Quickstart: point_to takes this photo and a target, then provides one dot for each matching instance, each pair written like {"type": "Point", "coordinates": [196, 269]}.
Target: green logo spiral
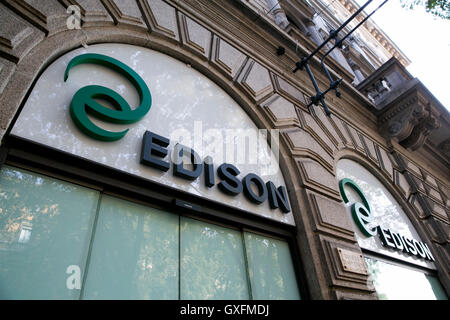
{"type": "Point", "coordinates": [83, 100]}
{"type": "Point", "coordinates": [360, 211]}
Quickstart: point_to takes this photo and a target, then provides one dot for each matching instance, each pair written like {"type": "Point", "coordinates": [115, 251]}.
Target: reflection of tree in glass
{"type": "Point", "coordinates": [134, 254]}
{"type": "Point", "coordinates": [400, 283]}
{"type": "Point", "coordinates": [43, 224]}
{"type": "Point", "coordinates": [387, 212]}
{"type": "Point", "coordinates": [271, 279]}
{"type": "Point", "coordinates": [212, 262]}
{"type": "Point", "coordinates": [159, 257]}
{"type": "Point", "coordinates": [374, 271]}
{"type": "Point", "coordinates": [270, 268]}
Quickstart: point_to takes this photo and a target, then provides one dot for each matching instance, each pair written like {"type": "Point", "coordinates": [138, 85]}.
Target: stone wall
{"type": "Point", "coordinates": [228, 43]}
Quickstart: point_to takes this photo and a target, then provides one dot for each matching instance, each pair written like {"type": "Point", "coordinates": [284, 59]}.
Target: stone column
{"type": "Point", "coordinates": [311, 26]}
{"type": "Point", "coordinates": [318, 39]}
{"type": "Point", "coordinates": [356, 70]}
{"type": "Point", "coordinates": [280, 16]}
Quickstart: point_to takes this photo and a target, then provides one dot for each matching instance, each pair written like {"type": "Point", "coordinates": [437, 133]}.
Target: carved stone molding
{"type": "Point", "coordinates": [407, 112]}
{"type": "Point", "coordinates": [227, 58]}
{"type": "Point", "coordinates": [255, 81]}
{"type": "Point", "coordinates": [195, 36]}
{"type": "Point", "coordinates": [17, 36]}
{"type": "Point", "coordinates": [125, 12]}
{"type": "Point", "coordinates": [444, 147]}
{"type": "Point", "coordinates": [160, 17]}
{"type": "Point", "coordinates": [410, 120]}
{"type": "Point", "coordinates": [346, 265]}
{"type": "Point", "coordinates": [330, 217]}
{"type": "Point", "coordinates": [280, 112]}
{"type": "Point", "coordinates": [311, 143]}
{"type": "Point", "coordinates": [93, 12]}
{"type": "Point", "coordinates": [48, 16]}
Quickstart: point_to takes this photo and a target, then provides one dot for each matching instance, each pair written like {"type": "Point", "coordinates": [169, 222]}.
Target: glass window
{"type": "Point", "coordinates": [271, 270]}
{"type": "Point", "coordinates": [399, 283]}
{"type": "Point", "coordinates": [212, 262]}
{"type": "Point", "coordinates": [59, 240]}
{"type": "Point", "coordinates": [134, 253]}
{"type": "Point", "coordinates": [45, 228]}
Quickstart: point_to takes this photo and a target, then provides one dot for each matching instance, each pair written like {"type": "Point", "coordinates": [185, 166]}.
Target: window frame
{"type": "Point", "coordinates": [399, 263]}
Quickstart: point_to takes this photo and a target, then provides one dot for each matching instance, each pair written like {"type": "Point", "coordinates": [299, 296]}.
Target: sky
{"type": "Point", "coordinates": [425, 40]}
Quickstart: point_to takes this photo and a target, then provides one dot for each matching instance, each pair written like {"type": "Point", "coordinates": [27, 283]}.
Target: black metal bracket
{"type": "Point", "coordinates": [304, 62]}
{"type": "Point", "coordinates": [280, 51]}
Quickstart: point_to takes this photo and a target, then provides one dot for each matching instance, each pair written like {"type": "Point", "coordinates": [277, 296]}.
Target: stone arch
{"type": "Point", "coordinates": [397, 193]}
{"type": "Point", "coordinates": [389, 185]}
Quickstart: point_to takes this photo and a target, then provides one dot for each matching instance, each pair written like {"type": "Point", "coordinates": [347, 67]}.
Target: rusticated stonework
{"type": "Point", "coordinates": [223, 40]}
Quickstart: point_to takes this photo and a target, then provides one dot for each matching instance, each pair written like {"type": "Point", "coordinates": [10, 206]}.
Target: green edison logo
{"type": "Point", "coordinates": [361, 212]}
{"type": "Point", "coordinates": [84, 99]}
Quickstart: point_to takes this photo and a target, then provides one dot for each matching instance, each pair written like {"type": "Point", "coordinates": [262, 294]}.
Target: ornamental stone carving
{"type": "Point", "coordinates": [410, 118]}
{"type": "Point", "coordinates": [407, 112]}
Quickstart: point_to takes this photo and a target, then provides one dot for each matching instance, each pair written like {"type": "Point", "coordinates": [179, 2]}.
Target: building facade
{"type": "Point", "coordinates": [221, 181]}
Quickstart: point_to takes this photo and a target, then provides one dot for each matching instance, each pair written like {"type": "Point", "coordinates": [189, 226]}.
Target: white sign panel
{"type": "Point", "coordinates": [387, 214]}
{"type": "Point", "coordinates": [186, 108]}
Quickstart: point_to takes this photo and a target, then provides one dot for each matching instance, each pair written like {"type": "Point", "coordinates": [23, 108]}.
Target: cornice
{"type": "Point", "coordinates": [377, 33]}
{"type": "Point", "coordinates": [371, 27]}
